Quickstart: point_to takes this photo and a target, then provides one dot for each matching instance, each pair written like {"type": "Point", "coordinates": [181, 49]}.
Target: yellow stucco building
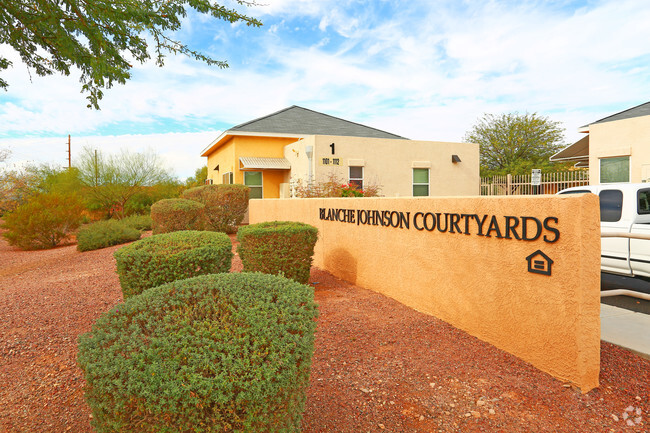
{"type": "Point", "coordinates": [272, 153]}
{"type": "Point", "coordinates": [616, 148]}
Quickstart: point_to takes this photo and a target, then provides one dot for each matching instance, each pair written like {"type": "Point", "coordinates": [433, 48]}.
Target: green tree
{"type": "Point", "coordinates": [200, 175]}
{"type": "Point", "coordinates": [113, 180]}
{"type": "Point", "coordinates": [20, 184]}
{"type": "Point", "coordinates": [515, 143]}
{"type": "Point", "coordinates": [101, 38]}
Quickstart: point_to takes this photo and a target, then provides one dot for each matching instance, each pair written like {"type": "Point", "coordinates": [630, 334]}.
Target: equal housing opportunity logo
{"type": "Point", "coordinates": [521, 228]}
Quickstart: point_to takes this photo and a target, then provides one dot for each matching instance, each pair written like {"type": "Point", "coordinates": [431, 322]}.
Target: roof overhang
{"type": "Point", "coordinates": [227, 135]}
{"type": "Point", "coordinates": [248, 163]}
{"type": "Point", "coordinates": [577, 152]}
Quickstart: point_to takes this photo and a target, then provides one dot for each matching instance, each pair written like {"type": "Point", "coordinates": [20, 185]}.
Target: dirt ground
{"type": "Point", "coordinates": [378, 365]}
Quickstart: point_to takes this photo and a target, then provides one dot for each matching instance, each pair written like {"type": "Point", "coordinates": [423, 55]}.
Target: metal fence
{"type": "Point", "coordinates": [520, 184]}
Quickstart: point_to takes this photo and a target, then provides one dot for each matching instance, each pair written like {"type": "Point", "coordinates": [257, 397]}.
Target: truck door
{"type": "Point", "coordinates": [614, 251]}
{"type": "Point", "coordinates": [640, 248]}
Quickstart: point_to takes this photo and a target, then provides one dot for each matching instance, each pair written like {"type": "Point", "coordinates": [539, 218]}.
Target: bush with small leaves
{"type": "Point", "coordinates": [215, 353]}
{"type": "Point", "coordinates": [104, 234]}
{"type": "Point", "coordinates": [44, 221]}
{"type": "Point", "coordinates": [139, 222]}
{"type": "Point", "coordinates": [277, 247]}
{"type": "Point", "coordinates": [225, 205]}
{"type": "Point", "coordinates": [175, 214]}
{"type": "Point", "coordinates": [168, 257]}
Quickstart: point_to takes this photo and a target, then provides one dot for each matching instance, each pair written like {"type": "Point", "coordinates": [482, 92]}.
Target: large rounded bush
{"type": "Point", "coordinates": [277, 247]}
{"type": "Point", "coordinates": [225, 205]}
{"type": "Point", "coordinates": [161, 259]}
{"type": "Point", "coordinates": [216, 353]}
{"type": "Point", "coordinates": [174, 214]}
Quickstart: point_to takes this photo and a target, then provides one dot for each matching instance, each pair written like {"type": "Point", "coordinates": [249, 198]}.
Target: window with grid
{"type": "Point", "coordinates": [253, 180]}
{"type": "Point", "coordinates": [356, 177]}
{"type": "Point", "coordinates": [420, 182]}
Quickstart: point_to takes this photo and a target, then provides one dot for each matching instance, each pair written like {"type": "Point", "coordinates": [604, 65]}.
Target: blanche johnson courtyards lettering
{"type": "Point", "coordinates": [525, 228]}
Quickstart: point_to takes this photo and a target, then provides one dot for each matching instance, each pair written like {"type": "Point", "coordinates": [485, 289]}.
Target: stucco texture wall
{"type": "Point", "coordinates": [626, 137]}
{"type": "Point", "coordinates": [474, 277]}
{"type": "Point", "coordinates": [389, 163]}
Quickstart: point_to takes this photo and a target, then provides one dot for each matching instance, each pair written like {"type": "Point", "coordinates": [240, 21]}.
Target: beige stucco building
{"type": "Point", "coordinates": [273, 153]}
{"type": "Point", "coordinates": [616, 149]}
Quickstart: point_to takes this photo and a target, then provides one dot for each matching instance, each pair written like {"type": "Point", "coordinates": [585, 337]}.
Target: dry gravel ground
{"type": "Point", "coordinates": [378, 365]}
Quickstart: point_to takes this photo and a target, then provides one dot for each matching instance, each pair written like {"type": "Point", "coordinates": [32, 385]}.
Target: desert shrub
{"type": "Point", "coordinates": [44, 221]}
{"type": "Point", "coordinates": [278, 246]}
{"type": "Point", "coordinates": [168, 257]}
{"type": "Point", "coordinates": [140, 202]}
{"type": "Point", "coordinates": [174, 214]}
{"type": "Point", "coordinates": [215, 353]}
{"type": "Point", "coordinates": [225, 205]}
{"type": "Point", "coordinates": [138, 222]}
{"type": "Point", "coordinates": [102, 234]}
{"type": "Point", "coordinates": [333, 186]}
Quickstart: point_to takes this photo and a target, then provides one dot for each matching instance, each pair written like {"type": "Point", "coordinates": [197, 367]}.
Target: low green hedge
{"type": "Point", "coordinates": [225, 205]}
{"type": "Point", "coordinates": [215, 353]}
{"type": "Point", "coordinates": [278, 247]}
{"type": "Point", "coordinates": [175, 214]}
{"type": "Point", "coordinates": [163, 258]}
{"type": "Point", "coordinates": [140, 222]}
{"type": "Point", "coordinates": [102, 234]}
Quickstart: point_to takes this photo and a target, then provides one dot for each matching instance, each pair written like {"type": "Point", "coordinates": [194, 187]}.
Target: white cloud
{"type": "Point", "coordinates": [426, 70]}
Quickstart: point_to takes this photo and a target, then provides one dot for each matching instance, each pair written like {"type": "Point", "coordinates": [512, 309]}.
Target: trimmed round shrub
{"type": "Point", "coordinates": [140, 222]}
{"type": "Point", "coordinates": [174, 214]}
{"type": "Point", "coordinates": [215, 353]}
{"type": "Point", "coordinates": [44, 221]}
{"type": "Point", "coordinates": [225, 205]}
{"type": "Point", "coordinates": [275, 247]}
{"type": "Point", "coordinates": [168, 257]}
{"type": "Point", "coordinates": [104, 234]}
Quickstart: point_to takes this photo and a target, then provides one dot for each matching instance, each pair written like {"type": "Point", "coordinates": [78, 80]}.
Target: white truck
{"type": "Point", "coordinates": [625, 227]}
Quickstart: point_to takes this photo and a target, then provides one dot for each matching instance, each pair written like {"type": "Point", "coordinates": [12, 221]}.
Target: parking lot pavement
{"type": "Point", "coordinates": [629, 303]}
{"type": "Point", "coordinates": [625, 328]}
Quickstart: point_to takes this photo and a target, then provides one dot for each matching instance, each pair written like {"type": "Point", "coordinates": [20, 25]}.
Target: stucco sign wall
{"type": "Point", "coordinates": [522, 273]}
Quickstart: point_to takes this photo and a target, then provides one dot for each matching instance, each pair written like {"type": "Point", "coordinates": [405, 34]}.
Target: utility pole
{"type": "Point", "coordinates": [69, 154]}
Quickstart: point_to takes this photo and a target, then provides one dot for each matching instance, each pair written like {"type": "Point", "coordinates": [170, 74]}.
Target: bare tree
{"type": "Point", "coordinates": [114, 179]}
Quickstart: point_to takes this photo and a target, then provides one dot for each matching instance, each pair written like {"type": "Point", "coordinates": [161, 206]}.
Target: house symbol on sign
{"type": "Point", "coordinates": [539, 263]}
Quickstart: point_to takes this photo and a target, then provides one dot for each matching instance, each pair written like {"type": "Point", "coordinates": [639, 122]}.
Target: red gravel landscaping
{"type": "Point", "coordinates": [378, 365]}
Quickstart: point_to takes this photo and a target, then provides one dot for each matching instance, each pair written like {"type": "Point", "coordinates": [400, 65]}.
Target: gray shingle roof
{"type": "Point", "coordinates": [298, 120]}
{"type": "Point", "coordinates": [638, 111]}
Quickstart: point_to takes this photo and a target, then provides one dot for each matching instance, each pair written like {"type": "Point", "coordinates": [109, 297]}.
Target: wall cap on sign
{"type": "Point", "coordinates": [421, 164]}
{"type": "Point", "coordinates": [356, 162]}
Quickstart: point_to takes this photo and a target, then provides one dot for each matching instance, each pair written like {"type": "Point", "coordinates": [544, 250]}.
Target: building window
{"type": "Point", "coordinates": [420, 182]}
{"type": "Point", "coordinates": [615, 169]}
{"type": "Point", "coordinates": [253, 180]}
{"type": "Point", "coordinates": [227, 178]}
{"type": "Point", "coordinates": [356, 177]}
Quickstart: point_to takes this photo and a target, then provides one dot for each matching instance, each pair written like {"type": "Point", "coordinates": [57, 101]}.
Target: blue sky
{"type": "Point", "coordinates": [421, 69]}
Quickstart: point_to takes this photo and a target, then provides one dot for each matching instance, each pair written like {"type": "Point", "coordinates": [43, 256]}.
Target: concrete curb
{"type": "Point", "coordinates": [625, 328]}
